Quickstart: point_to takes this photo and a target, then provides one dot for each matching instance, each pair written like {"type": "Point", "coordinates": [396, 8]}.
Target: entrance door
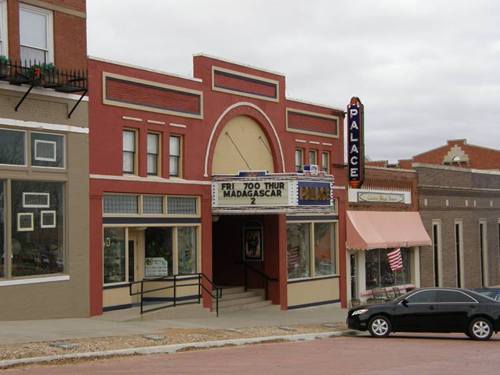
{"type": "Point", "coordinates": [135, 259]}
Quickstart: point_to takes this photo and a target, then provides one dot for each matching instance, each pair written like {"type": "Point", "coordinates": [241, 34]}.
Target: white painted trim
{"type": "Point", "coordinates": [327, 144]}
{"type": "Point", "coordinates": [54, 145]}
{"type": "Point", "coordinates": [219, 120]}
{"type": "Point", "coordinates": [137, 119]}
{"type": "Point", "coordinates": [237, 63]}
{"type": "Point", "coordinates": [49, 24]}
{"type": "Point", "coordinates": [155, 122]}
{"type": "Point", "coordinates": [314, 142]}
{"type": "Point", "coordinates": [300, 141]}
{"type": "Point", "coordinates": [315, 104]}
{"type": "Point", "coordinates": [119, 63]}
{"type": "Point", "coordinates": [44, 92]}
{"type": "Point", "coordinates": [36, 205]}
{"type": "Point", "coordinates": [243, 93]}
{"type": "Point", "coordinates": [152, 85]}
{"type": "Point", "coordinates": [54, 215]}
{"type": "Point", "coordinates": [177, 125]}
{"type": "Point", "coordinates": [43, 126]}
{"type": "Point", "coordinates": [4, 31]}
{"type": "Point", "coordinates": [35, 280]}
{"type": "Point", "coordinates": [391, 169]}
{"type": "Point", "coordinates": [136, 178]}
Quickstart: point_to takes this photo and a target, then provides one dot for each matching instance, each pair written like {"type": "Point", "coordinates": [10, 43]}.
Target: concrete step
{"type": "Point", "coordinates": [229, 296]}
{"type": "Point", "coordinates": [240, 301]}
{"type": "Point", "coordinates": [232, 290]}
{"type": "Point", "coordinates": [246, 306]}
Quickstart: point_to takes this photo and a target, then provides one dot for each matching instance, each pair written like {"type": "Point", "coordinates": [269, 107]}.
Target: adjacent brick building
{"type": "Point", "coordinates": [44, 262]}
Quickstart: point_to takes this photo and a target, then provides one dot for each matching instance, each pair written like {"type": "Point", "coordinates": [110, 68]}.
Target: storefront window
{"type": "Point", "coordinates": [158, 252]}
{"type": "Point", "coordinates": [378, 271]}
{"type": "Point", "coordinates": [298, 250]}
{"type": "Point", "coordinates": [2, 230]}
{"type": "Point", "coordinates": [37, 228]}
{"type": "Point", "coordinates": [324, 249]}
{"type": "Point", "coordinates": [12, 147]}
{"type": "Point", "coordinates": [47, 150]}
{"type": "Point", "coordinates": [114, 255]}
{"type": "Point", "coordinates": [186, 243]}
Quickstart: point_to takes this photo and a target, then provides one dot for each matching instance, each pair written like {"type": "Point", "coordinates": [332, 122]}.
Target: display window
{"type": "Point", "coordinates": [378, 271]}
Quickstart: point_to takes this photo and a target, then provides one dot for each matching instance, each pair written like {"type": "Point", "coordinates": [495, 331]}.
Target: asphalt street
{"type": "Point", "coordinates": [398, 354]}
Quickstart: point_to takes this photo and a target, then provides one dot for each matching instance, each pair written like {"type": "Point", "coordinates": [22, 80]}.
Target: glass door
{"type": "Point", "coordinates": [354, 278]}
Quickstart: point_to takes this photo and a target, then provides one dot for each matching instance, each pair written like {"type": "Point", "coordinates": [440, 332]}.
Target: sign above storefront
{"type": "Point", "coordinates": [379, 196]}
{"type": "Point", "coordinates": [355, 144]}
{"type": "Point", "coordinates": [272, 193]}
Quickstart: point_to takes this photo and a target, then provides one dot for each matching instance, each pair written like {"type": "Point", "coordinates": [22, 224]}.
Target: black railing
{"type": "Point", "coordinates": [35, 74]}
{"type": "Point", "coordinates": [176, 282]}
{"type": "Point", "coordinates": [267, 279]}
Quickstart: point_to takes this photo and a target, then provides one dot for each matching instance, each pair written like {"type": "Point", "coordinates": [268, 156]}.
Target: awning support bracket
{"type": "Point", "coordinates": [77, 103]}
{"type": "Point", "coordinates": [24, 97]}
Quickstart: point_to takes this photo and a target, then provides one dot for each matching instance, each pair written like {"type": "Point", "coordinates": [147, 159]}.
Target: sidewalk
{"type": "Point", "coordinates": [126, 330]}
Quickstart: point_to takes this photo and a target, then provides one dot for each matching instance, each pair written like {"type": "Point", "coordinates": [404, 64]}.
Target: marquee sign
{"type": "Point", "coordinates": [355, 145]}
{"type": "Point", "coordinates": [252, 193]}
{"type": "Point", "coordinates": [283, 193]}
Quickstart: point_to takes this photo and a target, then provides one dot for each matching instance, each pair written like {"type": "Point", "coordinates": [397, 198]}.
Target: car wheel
{"type": "Point", "coordinates": [480, 329]}
{"type": "Point", "coordinates": [379, 326]}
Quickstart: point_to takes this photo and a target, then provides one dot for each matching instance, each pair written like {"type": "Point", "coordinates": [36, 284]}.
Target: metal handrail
{"type": "Point", "coordinates": [266, 278]}
{"type": "Point", "coordinates": [176, 279]}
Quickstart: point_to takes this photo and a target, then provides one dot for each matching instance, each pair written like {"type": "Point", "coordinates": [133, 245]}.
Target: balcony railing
{"type": "Point", "coordinates": [48, 76]}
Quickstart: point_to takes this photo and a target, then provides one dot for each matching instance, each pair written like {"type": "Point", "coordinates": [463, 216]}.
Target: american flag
{"type": "Point", "coordinates": [395, 260]}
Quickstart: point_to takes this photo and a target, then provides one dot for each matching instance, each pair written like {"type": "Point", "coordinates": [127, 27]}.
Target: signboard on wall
{"type": "Point", "coordinates": [379, 196]}
{"type": "Point", "coordinates": [284, 193]}
{"type": "Point", "coordinates": [155, 267]}
{"type": "Point", "coordinates": [314, 193]}
{"type": "Point", "coordinates": [252, 193]}
{"type": "Point", "coordinates": [355, 143]}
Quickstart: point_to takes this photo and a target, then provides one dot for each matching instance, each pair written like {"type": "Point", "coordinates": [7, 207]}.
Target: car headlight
{"type": "Point", "coordinates": [359, 312]}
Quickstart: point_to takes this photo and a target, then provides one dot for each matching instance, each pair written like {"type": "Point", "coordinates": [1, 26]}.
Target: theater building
{"type": "Point", "coordinates": [44, 269]}
{"type": "Point", "coordinates": [382, 216]}
{"type": "Point", "coordinates": [215, 180]}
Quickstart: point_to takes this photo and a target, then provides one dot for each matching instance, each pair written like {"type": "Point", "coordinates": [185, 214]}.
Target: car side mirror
{"type": "Point", "coordinates": [404, 303]}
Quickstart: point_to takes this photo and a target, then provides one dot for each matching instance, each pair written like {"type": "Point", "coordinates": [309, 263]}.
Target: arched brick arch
{"type": "Point", "coordinates": [257, 114]}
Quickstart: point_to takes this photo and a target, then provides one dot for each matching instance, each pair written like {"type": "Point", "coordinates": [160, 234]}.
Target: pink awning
{"type": "Point", "coordinates": [385, 229]}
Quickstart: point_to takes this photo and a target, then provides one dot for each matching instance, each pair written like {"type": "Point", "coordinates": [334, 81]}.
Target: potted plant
{"type": "Point", "coordinates": [45, 75]}
{"type": "Point", "coordinates": [4, 66]}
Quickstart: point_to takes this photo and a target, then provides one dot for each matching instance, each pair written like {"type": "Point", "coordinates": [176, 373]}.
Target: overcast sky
{"type": "Point", "coordinates": [426, 70]}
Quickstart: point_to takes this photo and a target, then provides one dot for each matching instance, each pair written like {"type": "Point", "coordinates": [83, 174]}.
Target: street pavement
{"type": "Point", "coordinates": [398, 354]}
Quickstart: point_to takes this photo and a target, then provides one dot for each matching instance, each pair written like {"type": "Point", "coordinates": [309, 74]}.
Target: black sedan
{"type": "Point", "coordinates": [430, 310]}
{"type": "Point", "coordinates": [493, 293]}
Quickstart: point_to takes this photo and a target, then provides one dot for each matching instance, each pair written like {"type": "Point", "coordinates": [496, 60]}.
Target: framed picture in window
{"type": "Point", "coordinates": [45, 150]}
{"type": "Point", "coordinates": [25, 222]}
{"type": "Point", "coordinates": [47, 219]}
{"type": "Point", "coordinates": [253, 243]}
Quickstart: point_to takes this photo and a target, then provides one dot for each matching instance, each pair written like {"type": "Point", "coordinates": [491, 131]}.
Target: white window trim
{"type": "Point", "coordinates": [4, 29]}
{"type": "Point", "coordinates": [35, 280]}
{"type": "Point", "coordinates": [31, 228]}
{"type": "Point", "coordinates": [53, 143]}
{"type": "Point", "coordinates": [50, 28]}
{"type": "Point", "coordinates": [54, 215]}
{"type": "Point", "coordinates": [36, 205]}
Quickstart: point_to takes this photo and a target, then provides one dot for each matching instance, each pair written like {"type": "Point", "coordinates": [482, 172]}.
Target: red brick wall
{"type": "Point", "coordinates": [306, 122]}
{"type": "Point", "coordinates": [479, 157]}
{"type": "Point", "coordinates": [70, 41]}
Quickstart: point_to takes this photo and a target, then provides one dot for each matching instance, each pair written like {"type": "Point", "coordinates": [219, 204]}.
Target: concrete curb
{"type": "Point", "coordinates": [173, 348]}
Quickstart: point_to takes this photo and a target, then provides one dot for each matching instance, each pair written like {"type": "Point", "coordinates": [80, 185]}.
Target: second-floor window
{"type": "Point", "coordinates": [313, 157]}
{"type": "Point", "coordinates": [3, 28]}
{"type": "Point", "coordinates": [299, 160]}
{"type": "Point", "coordinates": [129, 152]}
{"type": "Point", "coordinates": [325, 162]}
{"type": "Point", "coordinates": [153, 152]}
{"type": "Point", "coordinates": [36, 36]}
{"type": "Point", "coordinates": [175, 156]}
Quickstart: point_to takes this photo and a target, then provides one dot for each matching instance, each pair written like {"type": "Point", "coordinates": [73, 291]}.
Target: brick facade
{"type": "Point", "coordinates": [448, 194]}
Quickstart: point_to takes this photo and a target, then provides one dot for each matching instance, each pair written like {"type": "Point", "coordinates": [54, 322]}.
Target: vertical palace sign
{"type": "Point", "coordinates": [355, 144]}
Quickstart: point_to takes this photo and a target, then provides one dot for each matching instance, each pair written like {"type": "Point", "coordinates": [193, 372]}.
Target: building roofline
{"type": "Point", "coordinates": [139, 67]}
{"type": "Point", "coordinates": [201, 54]}
{"type": "Point", "coordinates": [315, 104]}
{"type": "Point", "coordinates": [458, 169]}
{"type": "Point", "coordinates": [391, 169]}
